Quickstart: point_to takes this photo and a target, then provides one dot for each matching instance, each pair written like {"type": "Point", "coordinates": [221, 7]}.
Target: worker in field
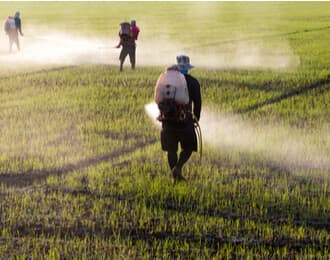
{"type": "Point", "coordinates": [135, 33]}
{"type": "Point", "coordinates": [13, 26]}
{"type": "Point", "coordinates": [180, 108]}
{"type": "Point", "coordinates": [128, 34]}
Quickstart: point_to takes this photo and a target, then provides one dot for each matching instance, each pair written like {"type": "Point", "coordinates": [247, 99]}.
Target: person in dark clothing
{"type": "Point", "coordinates": [127, 41]}
{"type": "Point", "coordinates": [173, 132]}
{"type": "Point", "coordinates": [13, 32]}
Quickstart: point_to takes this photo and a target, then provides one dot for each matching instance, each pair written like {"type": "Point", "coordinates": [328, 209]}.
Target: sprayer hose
{"type": "Point", "coordinates": [199, 136]}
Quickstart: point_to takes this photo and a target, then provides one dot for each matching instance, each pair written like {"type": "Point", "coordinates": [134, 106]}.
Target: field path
{"type": "Point", "coordinates": [41, 71]}
{"type": "Point", "coordinates": [22, 179]}
{"type": "Point", "coordinates": [323, 82]}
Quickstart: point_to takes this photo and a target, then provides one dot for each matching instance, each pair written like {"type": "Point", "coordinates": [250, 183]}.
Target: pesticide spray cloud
{"type": "Point", "coordinates": [232, 55]}
{"type": "Point", "coordinates": [284, 146]}
{"type": "Point", "coordinates": [245, 42]}
{"type": "Point", "coordinates": [58, 48]}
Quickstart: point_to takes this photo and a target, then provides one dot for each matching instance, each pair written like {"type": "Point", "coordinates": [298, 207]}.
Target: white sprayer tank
{"type": "Point", "coordinates": [10, 23]}
{"type": "Point", "coordinates": [172, 85]}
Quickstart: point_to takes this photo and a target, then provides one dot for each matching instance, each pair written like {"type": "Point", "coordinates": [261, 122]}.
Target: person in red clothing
{"type": "Point", "coordinates": [128, 36]}
{"type": "Point", "coordinates": [135, 30]}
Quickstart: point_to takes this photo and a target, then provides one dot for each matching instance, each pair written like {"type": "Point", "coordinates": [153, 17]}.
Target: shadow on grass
{"type": "Point", "coordinates": [318, 84]}
{"type": "Point", "coordinates": [213, 239]}
{"type": "Point", "coordinates": [21, 179]}
{"type": "Point", "coordinates": [36, 72]}
{"type": "Point", "coordinates": [323, 85]}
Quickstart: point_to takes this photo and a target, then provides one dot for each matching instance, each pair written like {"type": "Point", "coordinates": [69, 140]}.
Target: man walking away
{"type": "Point", "coordinates": [13, 26]}
{"type": "Point", "coordinates": [127, 35]}
{"type": "Point", "coordinates": [182, 131]}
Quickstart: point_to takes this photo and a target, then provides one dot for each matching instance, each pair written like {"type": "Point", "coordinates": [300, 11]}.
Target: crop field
{"type": "Point", "coordinates": [82, 173]}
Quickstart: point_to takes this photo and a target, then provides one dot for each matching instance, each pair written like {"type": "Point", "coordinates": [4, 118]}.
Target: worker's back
{"type": "Point", "coordinates": [10, 24]}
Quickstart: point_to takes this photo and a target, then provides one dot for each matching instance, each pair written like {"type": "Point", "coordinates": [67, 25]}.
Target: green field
{"type": "Point", "coordinates": [82, 173]}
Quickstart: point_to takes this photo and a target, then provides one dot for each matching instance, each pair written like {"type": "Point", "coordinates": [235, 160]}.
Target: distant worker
{"type": "Point", "coordinates": [135, 32]}
{"type": "Point", "coordinates": [13, 26]}
{"type": "Point", "coordinates": [128, 35]}
{"type": "Point", "coordinates": [179, 101]}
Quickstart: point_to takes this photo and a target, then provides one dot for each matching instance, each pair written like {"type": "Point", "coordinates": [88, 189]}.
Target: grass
{"type": "Point", "coordinates": [81, 170]}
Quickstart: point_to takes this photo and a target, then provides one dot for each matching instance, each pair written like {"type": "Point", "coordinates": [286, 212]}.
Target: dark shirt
{"type": "Point", "coordinates": [195, 99]}
{"type": "Point", "coordinates": [18, 25]}
{"type": "Point", "coordinates": [126, 41]}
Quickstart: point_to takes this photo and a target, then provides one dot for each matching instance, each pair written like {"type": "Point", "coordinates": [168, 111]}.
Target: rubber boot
{"type": "Point", "coordinates": [177, 175]}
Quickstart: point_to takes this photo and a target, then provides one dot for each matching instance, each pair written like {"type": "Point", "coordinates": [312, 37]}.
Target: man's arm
{"type": "Point", "coordinates": [120, 42]}
{"type": "Point", "coordinates": [195, 95]}
{"type": "Point", "coordinates": [197, 101]}
{"type": "Point", "coordinates": [19, 26]}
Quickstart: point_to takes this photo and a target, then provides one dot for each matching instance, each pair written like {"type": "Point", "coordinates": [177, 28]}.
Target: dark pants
{"type": "Point", "coordinates": [127, 50]}
{"type": "Point", "coordinates": [170, 139]}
